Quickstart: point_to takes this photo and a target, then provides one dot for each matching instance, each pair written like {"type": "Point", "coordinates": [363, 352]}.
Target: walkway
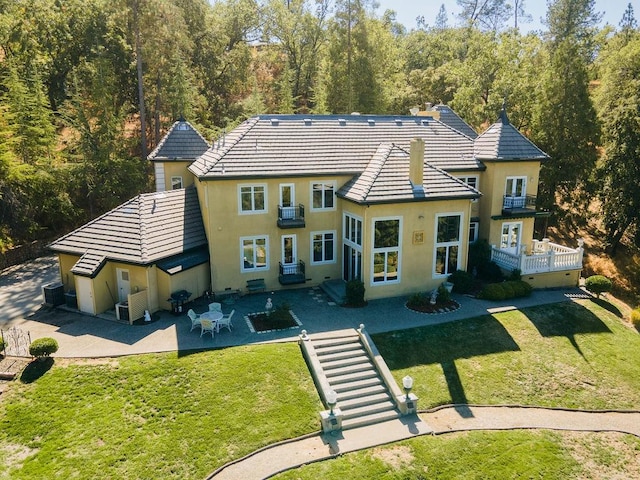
{"type": "Point", "coordinates": [453, 418]}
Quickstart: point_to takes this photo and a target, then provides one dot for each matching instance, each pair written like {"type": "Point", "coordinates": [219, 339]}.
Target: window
{"type": "Point", "coordinates": [386, 250]}
{"type": "Point", "coordinates": [254, 253]}
{"type": "Point", "coordinates": [352, 248]}
{"type": "Point", "coordinates": [353, 229]}
{"type": "Point", "coordinates": [323, 247]}
{"type": "Point", "coordinates": [176, 182]}
{"type": "Point", "coordinates": [473, 231]}
{"type": "Point", "coordinates": [252, 198]}
{"type": "Point", "coordinates": [447, 251]}
{"type": "Point", "coordinates": [472, 181]}
{"type": "Point", "coordinates": [322, 195]}
{"type": "Point", "coordinates": [516, 186]}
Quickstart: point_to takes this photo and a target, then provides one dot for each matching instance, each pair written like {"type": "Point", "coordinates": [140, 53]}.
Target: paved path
{"type": "Point", "coordinates": [287, 455]}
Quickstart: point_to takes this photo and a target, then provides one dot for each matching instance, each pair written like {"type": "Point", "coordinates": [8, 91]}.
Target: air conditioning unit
{"type": "Point", "coordinates": [122, 311]}
{"type": "Point", "coordinates": [53, 294]}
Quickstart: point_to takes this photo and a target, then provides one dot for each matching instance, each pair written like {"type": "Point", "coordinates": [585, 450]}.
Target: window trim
{"type": "Point", "coordinates": [253, 211]}
{"type": "Point", "coordinates": [174, 177]}
{"type": "Point", "coordinates": [437, 244]}
{"type": "Point", "coordinates": [254, 269]}
{"type": "Point", "coordinates": [324, 261]}
{"type": "Point", "coordinates": [324, 183]}
{"type": "Point", "coordinates": [476, 231]}
{"type": "Point", "coordinates": [516, 178]}
{"type": "Point", "coordinates": [465, 179]}
{"type": "Point", "coordinates": [386, 251]}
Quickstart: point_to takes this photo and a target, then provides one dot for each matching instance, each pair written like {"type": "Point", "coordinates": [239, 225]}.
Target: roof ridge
{"type": "Point", "coordinates": [381, 156]}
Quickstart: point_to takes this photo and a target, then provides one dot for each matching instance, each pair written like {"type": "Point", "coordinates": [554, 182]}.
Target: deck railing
{"type": "Point", "coordinates": [544, 257]}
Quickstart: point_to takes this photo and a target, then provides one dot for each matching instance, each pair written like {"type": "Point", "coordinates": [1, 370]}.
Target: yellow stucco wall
{"type": "Point", "coordinates": [66, 263]}
{"type": "Point", "coordinates": [553, 279]}
{"type": "Point", "coordinates": [194, 280]}
{"type": "Point", "coordinates": [175, 168]}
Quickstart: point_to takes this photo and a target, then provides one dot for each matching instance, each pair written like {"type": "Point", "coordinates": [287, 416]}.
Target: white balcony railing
{"type": "Point", "coordinates": [543, 257]}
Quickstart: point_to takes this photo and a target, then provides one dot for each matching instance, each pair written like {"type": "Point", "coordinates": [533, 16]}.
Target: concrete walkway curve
{"type": "Point", "coordinates": [287, 455]}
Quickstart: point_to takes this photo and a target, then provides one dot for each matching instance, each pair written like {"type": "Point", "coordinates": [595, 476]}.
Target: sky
{"type": "Point", "coordinates": [408, 10]}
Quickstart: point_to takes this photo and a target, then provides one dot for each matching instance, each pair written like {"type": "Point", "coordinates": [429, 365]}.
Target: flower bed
{"type": "Point", "coordinates": [261, 322]}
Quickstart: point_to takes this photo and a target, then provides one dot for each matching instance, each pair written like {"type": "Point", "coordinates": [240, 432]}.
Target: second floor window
{"type": "Point", "coordinates": [323, 247]}
{"type": "Point", "coordinates": [253, 198]}
{"type": "Point", "coordinates": [176, 183]}
{"type": "Point", "coordinates": [322, 197]}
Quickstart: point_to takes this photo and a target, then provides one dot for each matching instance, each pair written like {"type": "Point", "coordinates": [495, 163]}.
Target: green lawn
{"type": "Point", "coordinates": [155, 416]}
{"type": "Point", "coordinates": [182, 416]}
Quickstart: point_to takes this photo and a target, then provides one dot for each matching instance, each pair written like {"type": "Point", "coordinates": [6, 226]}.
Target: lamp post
{"type": "Point", "coordinates": [407, 383]}
{"type": "Point", "coordinates": [332, 399]}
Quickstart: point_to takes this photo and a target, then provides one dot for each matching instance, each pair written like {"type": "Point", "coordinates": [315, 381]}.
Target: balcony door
{"type": "Point", "coordinates": [515, 192]}
{"type": "Point", "coordinates": [287, 200]}
{"type": "Point", "coordinates": [289, 254]}
{"type": "Point", "coordinates": [510, 238]}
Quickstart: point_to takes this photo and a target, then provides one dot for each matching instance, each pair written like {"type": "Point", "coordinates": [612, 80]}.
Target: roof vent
{"type": "Point", "coordinates": [275, 122]}
{"type": "Point", "coordinates": [372, 122]}
{"type": "Point", "coordinates": [398, 122]}
{"type": "Point", "coordinates": [342, 121]}
{"type": "Point", "coordinates": [425, 122]}
{"type": "Point", "coordinates": [307, 121]}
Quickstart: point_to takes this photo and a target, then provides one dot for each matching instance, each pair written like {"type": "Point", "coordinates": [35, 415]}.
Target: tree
{"type": "Point", "coordinates": [618, 100]}
{"type": "Point", "coordinates": [564, 122]}
{"type": "Point", "coordinates": [484, 14]}
{"type": "Point", "coordinates": [628, 24]}
{"type": "Point", "coordinates": [442, 19]}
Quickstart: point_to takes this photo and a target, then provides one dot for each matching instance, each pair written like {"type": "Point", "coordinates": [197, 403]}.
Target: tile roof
{"type": "Point", "coordinates": [304, 145]}
{"type": "Point", "coordinates": [452, 119]}
{"type": "Point", "coordinates": [502, 141]}
{"type": "Point", "coordinates": [386, 180]}
{"type": "Point", "coordinates": [182, 142]}
{"type": "Point", "coordinates": [147, 228]}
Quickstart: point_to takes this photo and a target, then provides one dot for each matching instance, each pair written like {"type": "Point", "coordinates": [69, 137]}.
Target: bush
{"type": "Point", "coordinates": [490, 272]}
{"type": "Point", "coordinates": [635, 318]}
{"type": "Point", "coordinates": [479, 255]}
{"type": "Point", "coordinates": [516, 274]}
{"type": "Point", "coordinates": [43, 347]}
{"type": "Point", "coordinates": [598, 284]}
{"type": "Point", "coordinates": [1, 345]}
{"type": "Point", "coordinates": [506, 290]}
{"type": "Point", "coordinates": [418, 300]}
{"type": "Point", "coordinates": [444, 296]}
{"type": "Point", "coordinates": [462, 281]}
{"type": "Point", "coordinates": [354, 293]}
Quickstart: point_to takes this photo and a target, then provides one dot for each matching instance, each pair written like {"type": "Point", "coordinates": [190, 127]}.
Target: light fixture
{"type": "Point", "coordinates": [332, 399]}
{"type": "Point", "coordinates": [407, 383]}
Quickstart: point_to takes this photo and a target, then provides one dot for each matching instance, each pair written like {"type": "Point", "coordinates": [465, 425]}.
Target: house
{"type": "Point", "coordinates": [394, 201]}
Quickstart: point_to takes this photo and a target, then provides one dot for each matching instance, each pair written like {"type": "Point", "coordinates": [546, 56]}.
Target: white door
{"type": "Point", "coordinates": [124, 287]}
{"type": "Point", "coordinates": [289, 254]}
{"type": "Point", "coordinates": [84, 294]}
{"type": "Point", "coordinates": [287, 200]}
{"type": "Point", "coordinates": [515, 192]}
{"type": "Point", "coordinates": [510, 239]}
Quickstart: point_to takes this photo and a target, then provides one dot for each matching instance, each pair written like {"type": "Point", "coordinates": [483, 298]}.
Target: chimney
{"type": "Point", "coordinates": [416, 163]}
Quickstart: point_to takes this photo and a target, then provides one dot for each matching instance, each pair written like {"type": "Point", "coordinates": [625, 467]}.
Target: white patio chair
{"type": "Point", "coordinates": [195, 319]}
{"type": "Point", "coordinates": [215, 307]}
{"type": "Point", "coordinates": [207, 325]}
{"type": "Point", "coordinates": [225, 321]}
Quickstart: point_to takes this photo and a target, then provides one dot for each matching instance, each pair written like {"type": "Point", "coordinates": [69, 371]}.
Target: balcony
{"type": "Point", "coordinates": [291, 217]}
{"type": "Point", "coordinates": [512, 205]}
{"type": "Point", "coordinates": [292, 274]}
{"type": "Point", "coordinates": [543, 257]}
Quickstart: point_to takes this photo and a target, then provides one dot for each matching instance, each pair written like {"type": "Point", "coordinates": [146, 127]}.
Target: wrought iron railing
{"type": "Point", "coordinates": [509, 202]}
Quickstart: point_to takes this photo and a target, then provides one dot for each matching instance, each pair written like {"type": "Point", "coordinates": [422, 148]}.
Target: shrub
{"type": "Point", "coordinates": [43, 347]}
{"type": "Point", "coordinates": [598, 284]}
{"type": "Point", "coordinates": [418, 300]}
{"type": "Point", "coordinates": [516, 274]}
{"type": "Point", "coordinates": [490, 272]}
{"type": "Point", "coordinates": [354, 293]}
{"type": "Point", "coordinates": [443, 295]}
{"type": "Point", "coordinates": [635, 318]}
{"type": "Point", "coordinates": [1, 345]}
{"type": "Point", "coordinates": [479, 255]}
{"type": "Point", "coordinates": [505, 290]}
{"type": "Point", "coordinates": [462, 281]}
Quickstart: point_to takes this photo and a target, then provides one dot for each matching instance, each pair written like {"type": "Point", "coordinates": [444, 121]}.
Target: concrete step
{"type": "Point", "coordinates": [351, 377]}
{"type": "Point", "coordinates": [363, 401]}
{"type": "Point", "coordinates": [339, 348]}
{"type": "Point", "coordinates": [383, 406]}
{"type": "Point", "coordinates": [341, 355]}
{"type": "Point", "coordinates": [370, 419]}
{"type": "Point", "coordinates": [368, 382]}
{"type": "Point", "coordinates": [340, 371]}
{"type": "Point", "coordinates": [344, 362]}
{"type": "Point", "coordinates": [362, 392]}
{"type": "Point", "coordinates": [328, 341]}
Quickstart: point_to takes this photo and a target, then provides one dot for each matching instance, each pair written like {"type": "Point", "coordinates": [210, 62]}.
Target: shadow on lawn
{"type": "Point", "coordinates": [36, 369]}
{"type": "Point", "coordinates": [444, 344]}
{"type": "Point", "coordinates": [566, 320]}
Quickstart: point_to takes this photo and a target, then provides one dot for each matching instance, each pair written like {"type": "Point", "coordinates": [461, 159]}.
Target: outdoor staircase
{"type": "Point", "coordinates": [340, 361]}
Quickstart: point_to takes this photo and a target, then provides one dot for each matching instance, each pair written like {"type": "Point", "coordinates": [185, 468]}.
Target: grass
{"type": "Point", "coordinates": [576, 355]}
{"type": "Point", "coordinates": [487, 455]}
{"type": "Point", "coordinates": [155, 416]}
{"type": "Point", "coordinates": [182, 416]}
